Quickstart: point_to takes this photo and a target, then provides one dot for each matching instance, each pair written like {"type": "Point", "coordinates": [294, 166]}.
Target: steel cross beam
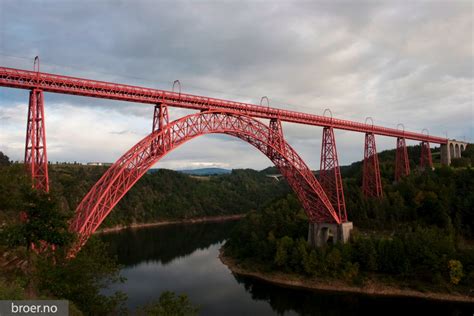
{"type": "Point", "coordinates": [24, 79]}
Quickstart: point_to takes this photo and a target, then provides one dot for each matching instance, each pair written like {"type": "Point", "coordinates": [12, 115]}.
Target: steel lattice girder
{"type": "Point", "coordinates": [426, 160]}
{"type": "Point", "coordinates": [24, 79]}
{"type": "Point", "coordinates": [129, 168]}
{"type": "Point", "coordinates": [36, 158]}
{"type": "Point", "coordinates": [371, 181]}
{"type": "Point", "coordinates": [330, 173]}
{"type": "Point", "coordinates": [402, 164]}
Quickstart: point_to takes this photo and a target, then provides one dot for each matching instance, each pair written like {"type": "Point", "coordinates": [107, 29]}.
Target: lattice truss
{"type": "Point", "coordinates": [330, 173]}
{"type": "Point", "coordinates": [129, 168]}
{"type": "Point", "coordinates": [24, 79]}
{"type": "Point", "coordinates": [402, 164]}
{"type": "Point", "coordinates": [36, 158]}
{"type": "Point", "coordinates": [371, 181]}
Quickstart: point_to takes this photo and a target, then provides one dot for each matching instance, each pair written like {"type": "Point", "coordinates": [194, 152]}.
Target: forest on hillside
{"type": "Point", "coordinates": [419, 235]}
{"type": "Point", "coordinates": [166, 194]}
{"type": "Point", "coordinates": [160, 195]}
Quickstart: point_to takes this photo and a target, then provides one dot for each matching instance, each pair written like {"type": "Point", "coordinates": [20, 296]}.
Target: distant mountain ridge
{"type": "Point", "coordinates": [205, 171]}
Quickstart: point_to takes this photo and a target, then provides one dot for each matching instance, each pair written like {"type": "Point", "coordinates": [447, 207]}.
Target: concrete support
{"type": "Point", "coordinates": [445, 155]}
{"type": "Point", "coordinates": [319, 234]}
{"type": "Point", "coordinates": [451, 150]}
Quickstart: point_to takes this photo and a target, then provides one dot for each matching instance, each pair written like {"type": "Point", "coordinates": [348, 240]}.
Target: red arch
{"type": "Point", "coordinates": [129, 168]}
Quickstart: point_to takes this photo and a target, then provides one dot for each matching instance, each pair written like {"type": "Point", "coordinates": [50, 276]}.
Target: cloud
{"type": "Point", "coordinates": [408, 62]}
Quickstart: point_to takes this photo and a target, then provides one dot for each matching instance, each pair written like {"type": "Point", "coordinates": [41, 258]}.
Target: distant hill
{"type": "Point", "coordinates": [206, 171]}
{"type": "Point", "coordinates": [386, 161]}
{"type": "Point", "coordinates": [270, 170]}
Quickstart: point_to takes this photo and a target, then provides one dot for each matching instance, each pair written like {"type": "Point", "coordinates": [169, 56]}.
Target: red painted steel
{"type": "Point", "coordinates": [426, 160]}
{"type": "Point", "coordinates": [277, 147]}
{"type": "Point", "coordinates": [23, 79]}
{"type": "Point", "coordinates": [402, 164]}
{"type": "Point", "coordinates": [160, 117]}
{"type": "Point", "coordinates": [128, 169]}
{"type": "Point", "coordinates": [275, 137]}
{"type": "Point", "coordinates": [330, 173]}
{"type": "Point", "coordinates": [371, 181]}
{"type": "Point", "coordinates": [36, 158]}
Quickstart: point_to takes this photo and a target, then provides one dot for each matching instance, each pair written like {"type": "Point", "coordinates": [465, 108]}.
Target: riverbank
{"type": "Point", "coordinates": [371, 287]}
{"type": "Point", "coordinates": [207, 219]}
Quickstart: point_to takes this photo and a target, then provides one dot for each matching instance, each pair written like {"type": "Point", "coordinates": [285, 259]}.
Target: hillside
{"type": "Point", "coordinates": [206, 171]}
{"type": "Point", "coordinates": [165, 194]}
{"type": "Point", "coordinates": [416, 240]}
{"type": "Point", "coordinates": [160, 195]}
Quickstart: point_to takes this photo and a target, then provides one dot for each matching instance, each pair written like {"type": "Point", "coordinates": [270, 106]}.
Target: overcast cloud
{"type": "Point", "coordinates": [406, 61]}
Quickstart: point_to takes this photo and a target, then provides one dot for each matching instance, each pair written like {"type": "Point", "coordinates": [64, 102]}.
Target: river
{"type": "Point", "coordinates": [183, 258]}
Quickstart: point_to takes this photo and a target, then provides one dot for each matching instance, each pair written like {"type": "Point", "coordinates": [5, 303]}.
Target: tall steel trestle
{"type": "Point", "coordinates": [322, 200]}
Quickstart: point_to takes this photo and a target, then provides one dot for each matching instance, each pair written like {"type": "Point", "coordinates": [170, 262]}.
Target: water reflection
{"type": "Point", "coordinates": [283, 300]}
{"type": "Point", "coordinates": [163, 244]}
{"type": "Point", "coordinates": [183, 259]}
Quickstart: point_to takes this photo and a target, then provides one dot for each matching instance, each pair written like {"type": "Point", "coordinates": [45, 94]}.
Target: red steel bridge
{"type": "Point", "coordinates": [322, 198]}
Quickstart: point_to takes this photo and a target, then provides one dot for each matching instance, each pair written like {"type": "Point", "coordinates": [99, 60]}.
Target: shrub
{"type": "Point", "coordinates": [170, 305]}
{"type": "Point", "coordinates": [455, 271]}
{"type": "Point", "coordinates": [460, 162]}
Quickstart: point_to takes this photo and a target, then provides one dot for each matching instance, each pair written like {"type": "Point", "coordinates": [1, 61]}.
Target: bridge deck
{"type": "Point", "coordinates": [24, 79]}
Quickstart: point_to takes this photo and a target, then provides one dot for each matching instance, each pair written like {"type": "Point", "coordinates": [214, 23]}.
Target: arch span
{"type": "Point", "coordinates": [129, 168]}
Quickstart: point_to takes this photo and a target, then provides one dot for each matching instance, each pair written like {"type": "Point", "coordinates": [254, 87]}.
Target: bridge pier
{"type": "Point", "coordinates": [371, 180]}
{"type": "Point", "coordinates": [330, 173]}
{"type": "Point", "coordinates": [36, 158]}
{"type": "Point", "coordinates": [402, 164]}
{"type": "Point", "coordinates": [451, 150]}
{"type": "Point", "coordinates": [319, 234]}
{"type": "Point", "coordinates": [426, 160]}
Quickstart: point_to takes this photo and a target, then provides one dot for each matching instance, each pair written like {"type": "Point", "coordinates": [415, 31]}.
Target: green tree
{"type": "Point", "coordinates": [4, 160]}
{"type": "Point", "coordinates": [391, 256]}
{"type": "Point", "coordinates": [170, 305]}
{"type": "Point", "coordinates": [43, 222]}
{"type": "Point", "coordinates": [283, 250]}
{"type": "Point", "coordinates": [350, 271]}
{"type": "Point", "coordinates": [299, 254]}
{"type": "Point", "coordinates": [311, 263]}
{"type": "Point", "coordinates": [455, 271]}
{"type": "Point", "coordinates": [11, 291]}
{"type": "Point", "coordinates": [82, 279]}
{"type": "Point", "coordinates": [428, 250]}
{"type": "Point", "coordinates": [461, 162]}
{"type": "Point", "coordinates": [334, 261]}
{"type": "Point", "coordinates": [365, 254]}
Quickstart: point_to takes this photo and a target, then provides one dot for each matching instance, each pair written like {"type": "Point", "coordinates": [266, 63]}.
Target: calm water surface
{"type": "Point", "coordinates": [183, 259]}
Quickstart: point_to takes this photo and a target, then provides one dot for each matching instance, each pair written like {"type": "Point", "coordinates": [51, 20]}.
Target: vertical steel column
{"type": "Point", "coordinates": [330, 174]}
{"type": "Point", "coordinates": [371, 182]}
{"type": "Point", "coordinates": [275, 136]}
{"type": "Point", "coordinates": [426, 160]}
{"type": "Point", "coordinates": [402, 164]}
{"type": "Point", "coordinates": [36, 158]}
{"type": "Point", "coordinates": [160, 120]}
{"type": "Point", "coordinates": [160, 117]}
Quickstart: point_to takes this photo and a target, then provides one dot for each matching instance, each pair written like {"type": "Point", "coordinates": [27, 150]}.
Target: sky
{"type": "Point", "coordinates": [408, 62]}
